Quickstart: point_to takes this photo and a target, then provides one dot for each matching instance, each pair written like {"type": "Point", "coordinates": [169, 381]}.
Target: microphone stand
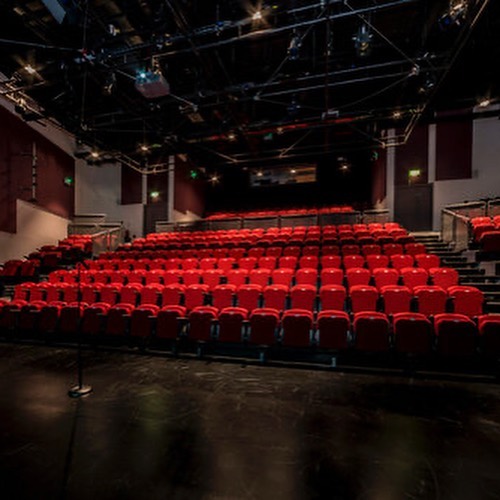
{"type": "Point", "coordinates": [80, 389]}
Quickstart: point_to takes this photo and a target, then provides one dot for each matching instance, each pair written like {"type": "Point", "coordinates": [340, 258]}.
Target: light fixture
{"type": "Point", "coordinates": [214, 179]}
{"type": "Point", "coordinates": [257, 15]}
{"type": "Point", "coordinates": [293, 47]}
{"type": "Point", "coordinates": [363, 41]}
{"type": "Point", "coordinates": [484, 103]}
{"type": "Point", "coordinates": [30, 69]}
{"type": "Point", "coordinates": [414, 173]}
{"type": "Point", "coordinates": [231, 136]}
{"type": "Point", "coordinates": [154, 195]}
{"type": "Point", "coordinates": [455, 15]}
{"type": "Point", "coordinates": [68, 181]}
{"type": "Point", "coordinates": [397, 115]}
{"type": "Point", "coordinates": [293, 171]}
{"type": "Point", "coordinates": [260, 173]}
{"type": "Point", "coordinates": [94, 154]}
{"type": "Point", "coordinates": [109, 84]}
{"type": "Point", "coordinates": [144, 148]}
{"type": "Point", "coordinates": [343, 164]}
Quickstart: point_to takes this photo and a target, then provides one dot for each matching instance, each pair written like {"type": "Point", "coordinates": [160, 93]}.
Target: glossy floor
{"type": "Point", "coordinates": [157, 428]}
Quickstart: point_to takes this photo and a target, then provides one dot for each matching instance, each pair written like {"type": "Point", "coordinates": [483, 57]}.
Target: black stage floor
{"type": "Point", "coordinates": [157, 428]}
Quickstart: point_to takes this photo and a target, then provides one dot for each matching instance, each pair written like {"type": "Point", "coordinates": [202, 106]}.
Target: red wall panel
{"type": "Point", "coordinates": [131, 186]}
{"type": "Point", "coordinates": [189, 194]}
{"type": "Point", "coordinates": [53, 165]}
{"type": "Point", "coordinates": [454, 150]}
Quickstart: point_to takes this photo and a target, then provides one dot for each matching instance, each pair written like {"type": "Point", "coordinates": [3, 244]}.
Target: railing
{"type": "Point", "coordinates": [107, 240]}
{"type": "Point", "coordinates": [368, 216]}
{"type": "Point", "coordinates": [455, 228]}
{"type": "Point", "coordinates": [469, 209]}
{"type": "Point", "coordinates": [494, 207]}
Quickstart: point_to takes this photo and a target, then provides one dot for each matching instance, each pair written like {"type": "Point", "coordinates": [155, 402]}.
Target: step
{"type": "Point", "coordinates": [485, 287]}
{"type": "Point", "coordinates": [493, 307]}
{"type": "Point", "coordinates": [450, 260]}
{"type": "Point", "coordinates": [462, 265]}
{"type": "Point", "coordinates": [465, 271]}
{"type": "Point", "coordinates": [487, 279]}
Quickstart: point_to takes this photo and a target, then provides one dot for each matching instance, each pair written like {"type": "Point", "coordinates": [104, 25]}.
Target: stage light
{"type": "Point", "coordinates": [144, 148]}
{"type": "Point", "coordinates": [294, 47]}
{"type": "Point", "coordinates": [260, 173]}
{"type": "Point", "coordinates": [30, 69]}
{"type": "Point", "coordinates": [397, 115]}
{"type": "Point", "coordinates": [293, 171]}
{"type": "Point", "coordinates": [484, 103]}
{"type": "Point", "coordinates": [363, 41]}
{"type": "Point", "coordinates": [257, 16]}
{"type": "Point", "coordinates": [414, 173]}
{"type": "Point", "coordinates": [231, 136]}
{"type": "Point", "coordinates": [455, 15]}
{"type": "Point", "coordinates": [214, 179]}
{"type": "Point", "coordinates": [193, 174]}
{"type": "Point", "coordinates": [154, 195]}
{"type": "Point", "coordinates": [94, 154]}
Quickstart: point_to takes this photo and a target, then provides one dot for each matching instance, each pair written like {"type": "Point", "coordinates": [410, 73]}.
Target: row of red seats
{"type": "Point", "coordinates": [19, 268]}
{"type": "Point", "coordinates": [389, 298]}
{"type": "Point", "coordinates": [410, 276]}
{"type": "Point", "coordinates": [481, 225]}
{"type": "Point", "coordinates": [408, 333]}
{"type": "Point", "coordinates": [275, 213]}
{"type": "Point", "coordinates": [238, 253]}
{"type": "Point", "coordinates": [426, 261]}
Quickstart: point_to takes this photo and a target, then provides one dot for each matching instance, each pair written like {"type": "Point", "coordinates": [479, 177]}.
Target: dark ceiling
{"type": "Point", "coordinates": [291, 86]}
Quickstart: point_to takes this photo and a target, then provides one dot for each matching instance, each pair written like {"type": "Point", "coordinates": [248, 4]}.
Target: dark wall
{"type": "Point", "coordinates": [333, 187]}
{"type": "Point", "coordinates": [379, 172]}
{"type": "Point", "coordinates": [189, 194]}
{"type": "Point", "coordinates": [413, 155]}
{"type": "Point", "coordinates": [131, 186]}
{"type": "Point", "coordinates": [53, 165]}
{"type": "Point", "coordinates": [454, 150]}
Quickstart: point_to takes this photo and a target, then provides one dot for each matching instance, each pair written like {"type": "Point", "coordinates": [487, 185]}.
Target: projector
{"type": "Point", "coordinates": [152, 84]}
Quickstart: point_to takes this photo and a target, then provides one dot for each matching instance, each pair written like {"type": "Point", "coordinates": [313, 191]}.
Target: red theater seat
{"type": "Point", "coordinates": [489, 333]}
{"type": "Point", "coordinates": [223, 296]}
{"type": "Point", "coordinates": [397, 299]}
{"type": "Point", "coordinates": [93, 318]}
{"type": "Point", "coordinates": [332, 277]}
{"type": "Point", "coordinates": [192, 276]}
{"type": "Point", "coordinates": [467, 300]}
{"type": "Point", "coordinates": [275, 297]}
{"type": "Point", "coordinates": [237, 277]}
{"type": "Point", "coordinates": [333, 328]}
{"type": "Point", "coordinates": [306, 276]}
{"type": "Point", "coordinates": [385, 277]}
{"type": "Point", "coordinates": [150, 294]}
{"type": "Point", "coordinates": [372, 249]}
{"type": "Point", "coordinates": [194, 296]}
{"type": "Point", "coordinates": [263, 325]}
{"type": "Point", "coordinates": [208, 263]}
{"type": "Point", "coordinates": [427, 260]}
{"type": "Point", "coordinates": [259, 277]}
{"type": "Point", "coordinates": [399, 261]}
{"type": "Point", "coordinates": [231, 324]}
{"type": "Point", "coordinates": [332, 297]}
{"type": "Point", "coordinates": [371, 331]}
{"type": "Point", "coordinates": [455, 334]}
{"type": "Point", "coordinates": [412, 333]}
{"type": "Point", "coordinates": [363, 298]}
{"type": "Point", "coordinates": [414, 276]}
{"type": "Point", "coordinates": [288, 262]}
{"type": "Point", "coordinates": [297, 325]}
{"type": "Point", "coordinates": [141, 320]}
{"type": "Point", "coordinates": [445, 277]}
{"type": "Point", "coordinates": [331, 262]}
{"type": "Point", "coordinates": [248, 263]}
{"type": "Point", "coordinates": [201, 320]}
{"type": "Point", "coordinates": [70, 317]}
{"type": "Point", "coordinates": [249, 296]}
{"type": "Point", "coordinates": [415, 249]}
{"type": "Point", "coordinates": [353, 261]}
{"type": "Point", "coordinates": [303, 297]}
{"type": "Point", "coordinates": [357, 276]}
{"type": "Point", "coordinates": [283, 276]}
{"type": "Point", "coordinates": [129, 294]}
{"type": "Point", "coordinates": [168, 321]}
{"type": "Point", "coordinates": [226, 264]}
{"type": "Point", "coordinates": [430, 299]}
{"type": "Point", "coordinates": [309, 261]}
{"type": "Point", "coordinates": [172, 295]}
{"type": "Point", "coordinates": [49, 316]}
{"type": "Point", "coordinates": [392, 249]}
{"type": "Point", "coordinates": [118, 319]}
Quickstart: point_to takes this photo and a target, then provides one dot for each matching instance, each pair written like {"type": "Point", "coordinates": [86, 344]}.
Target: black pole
{"type": "Point", "coordinates": [79, 390]}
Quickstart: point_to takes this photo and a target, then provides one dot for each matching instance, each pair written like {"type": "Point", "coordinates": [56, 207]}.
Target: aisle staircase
{"type": "Point", "coordinates": [471, 272]}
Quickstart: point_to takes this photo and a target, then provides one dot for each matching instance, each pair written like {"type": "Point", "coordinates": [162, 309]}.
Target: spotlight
{"type": "Point", "coordinates": [231, 136]}
{"type": "Point", "coordinates": [259, 173]}
{"type": "Point", "coordinates": [94, 154]}
{"type": "Point", "coordinates": [294, 47]}
{"type": "Point", "coordinates": [484, 103]}
{"type": "Point", "coordinates": [109, 84]}
{"type": "Point", "coordinates": [257, 16]}
{"type": "Point", "coordinates": [363, 41]}
{"type": "Point", "coordinates": [396, 115]}
{"type": "Point", "coordinates": [144, 148]}
{"type": "Point", "coordinates": [455, 15]}
{"type": "Point", "coordinates": [343, 165]}
{"type": "Point", "coordinates": [30, 69]}
{"type": "Point", "coordinates": [214, 179]}
{"type": "Point", "coordinates": [293, 171]}
{"type": "Point", "coordinates": [154, 195]}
